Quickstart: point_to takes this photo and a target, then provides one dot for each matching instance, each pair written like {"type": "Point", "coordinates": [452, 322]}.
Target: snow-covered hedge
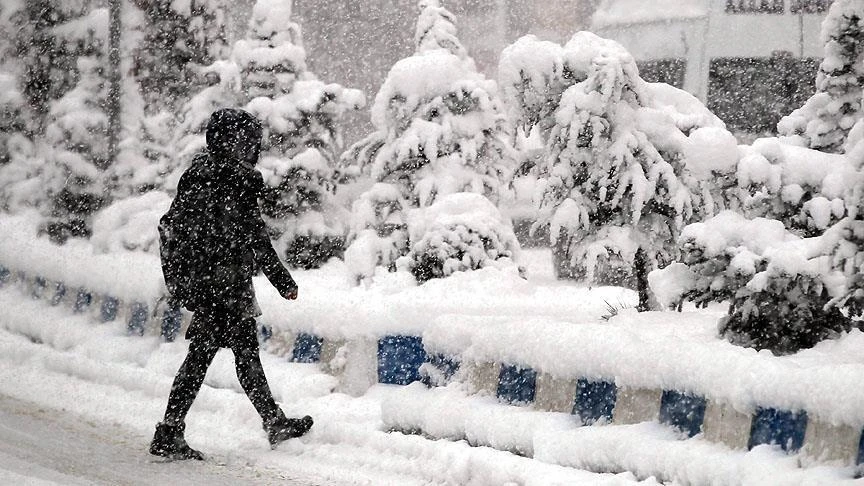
{"type": "Point", "coordinates": [459, 232]}
{"type": "Point", "coordinates": [778, 285]}
{"type": "Point", "coordinates": [130, 224]}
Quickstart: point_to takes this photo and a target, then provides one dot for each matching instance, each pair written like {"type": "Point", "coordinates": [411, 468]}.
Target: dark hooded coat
{"type": "Point", "coordinates": [216, 211]}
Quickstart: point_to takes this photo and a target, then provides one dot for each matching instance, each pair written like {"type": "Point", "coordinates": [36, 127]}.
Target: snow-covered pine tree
{"type": "Point", "coordinates": [628, 164]}
{"type": "Point", "coordinates": [48, 67]}
{"type": "Point", "coordinates": [222, 90]}
{"type": "Point", "coordinates": [180, 43]}
{"type": "Point", "coordinates": [534, 75]}
{"type": "Point", "coordinates": [848, 253]}
{"type": "Point", "coordinates": [78, 152]}
{"type": "Point", "coordinates": [11, 120]}
{"type": "Point", "coordinates": [440, 129]}
{"type": "Point", "coordinates": [824, 122]}
{"type": "Point", "coordinates": [302, 138]}
{"type": "Point", "coordinates": [17, 152]}
{"type": "Point", "coordinates": [11, 98]}
{"type": "Point", "coordinates": [181, 36]}
{"type": "Point", "coordinates": [15, 146]}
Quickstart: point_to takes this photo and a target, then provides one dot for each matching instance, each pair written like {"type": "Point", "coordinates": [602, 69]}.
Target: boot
{"type": "Point", "coordinates": [169, 442]}
{"type": "Point", "coordinates": [280, 428]}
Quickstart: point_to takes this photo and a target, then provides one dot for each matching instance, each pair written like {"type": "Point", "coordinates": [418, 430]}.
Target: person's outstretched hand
{"type": "Point", "coordinates": [290, 294]}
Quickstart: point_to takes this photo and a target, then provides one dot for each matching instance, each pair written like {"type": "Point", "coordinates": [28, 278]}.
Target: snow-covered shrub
{"type": "Point", "coordinates": [130, 224]}
{"type": "Point", "coordinates": [802, 188]}
{"type": "Point", "coordinates": [782, 289]}
{"type": "Point", "coordinates": [824, 122]}
{"type": "Point", "coordinates": [300, 210]}
{"type": "Point", "coordinates": [302, 137]}
{"type": "Point", "coordinates": [379, 231]}
{"type": "Point", "coordinates": [439, 125]}
{"type": "Point", "coordinates": [459, 232]}
{"type": "Point", "coordinates": [627, 163]}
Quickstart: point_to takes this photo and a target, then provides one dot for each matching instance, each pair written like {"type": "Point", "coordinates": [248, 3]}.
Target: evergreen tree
{"type": "Point", "coordinates": [16, 149]}
{"type": "Point", "coordinates": [78, 157]}
{"type": "Point", "coordinates": [848, 256]}
{"type": "Point", "coordinates": [222, 90]}
{"type": "Point", "coordinates": [824, 122]}
{"type": "Point", "coordinates": [301, 116]}
{"type": "Point", "coordinates": [436, 29]}
{"type": "Point", "coordinates": [439, 129]}
{"type": "Point", "coordinates": [181, 36]}
{"type": "Point", "coordinates": [48, 66]}
{"type": "Point", "coordinates": [11, 121]}
{"type": "Point", "coordinates": [626, 171]}
{"type": "Point", "coordinates": [17, 153]}
{"type": "Point", "coordinates": [534, 75]}
{"type": "Point", "coordinates": [173, 65]}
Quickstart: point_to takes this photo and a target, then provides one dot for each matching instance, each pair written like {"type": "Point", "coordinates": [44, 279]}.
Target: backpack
{"type": "Point", "coordinates": [192, 248]}
{"type": "Point", "coordinates": [175, 252]}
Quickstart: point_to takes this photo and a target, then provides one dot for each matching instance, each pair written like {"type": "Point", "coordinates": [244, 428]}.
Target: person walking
{"type": "Point", "coordinates": [212, 240]}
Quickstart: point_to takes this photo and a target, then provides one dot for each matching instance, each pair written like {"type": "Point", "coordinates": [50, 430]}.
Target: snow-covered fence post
{"type": "Point", "coordinates": [138, 317]}
{"type": "Point", "coordinates": [516, 385]}
{"type": "Point", "coordinates": [108, 309]}
{"type": "Point", "coordinates": [172, 317]}
{"type": "Point", "coordinates": [307, 348]}
{"type": "Point", "coordinates": [400, 359]}
{"type": "Point", "coordinates": [83, 298]}
{"type": "Point", "coordinates": [782, 427]}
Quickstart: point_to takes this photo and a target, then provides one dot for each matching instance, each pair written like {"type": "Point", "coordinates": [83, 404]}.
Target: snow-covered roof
{"type": "Point", "coordinates": [622, 12]}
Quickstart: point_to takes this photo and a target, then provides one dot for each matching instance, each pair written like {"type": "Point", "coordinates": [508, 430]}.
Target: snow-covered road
{"type": "Point", "coordinates": [39, 445]}
{"type": "Point", "coordinates": [78, 402]}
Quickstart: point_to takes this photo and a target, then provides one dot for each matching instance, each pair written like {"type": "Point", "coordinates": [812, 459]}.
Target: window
{"type": "Point", "coordinates": [669, 71]}
{"type": "Point", "coordinates": [752, 94]}
{"type": "Point", "coordinates": [810, 6]}
{"type": "Point", "coordinates": [754, 6]}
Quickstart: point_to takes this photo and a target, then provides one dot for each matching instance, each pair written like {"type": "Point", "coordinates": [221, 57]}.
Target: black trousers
{"type": "Point", "coordinates": [247, 362]}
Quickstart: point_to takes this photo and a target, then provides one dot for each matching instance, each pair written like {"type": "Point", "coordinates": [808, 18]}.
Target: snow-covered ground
{"type": "Point", "coordinates": [79, 402]}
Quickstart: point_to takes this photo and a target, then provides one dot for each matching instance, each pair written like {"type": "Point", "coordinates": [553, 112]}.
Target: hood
{"type": "Point", "coordinates": [234, 137]}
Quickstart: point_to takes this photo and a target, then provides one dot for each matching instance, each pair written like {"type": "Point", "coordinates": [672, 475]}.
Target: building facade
{"type": "Point", "coordinates": [750, 61]}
